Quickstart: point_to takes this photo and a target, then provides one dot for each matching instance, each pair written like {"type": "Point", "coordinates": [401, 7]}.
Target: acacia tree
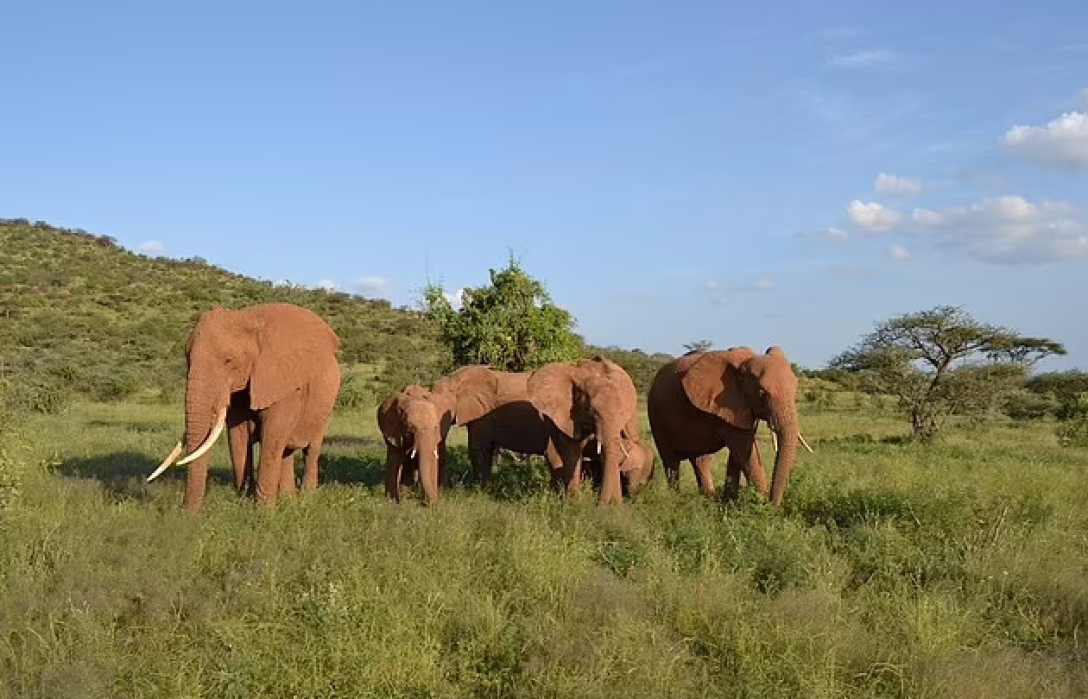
{"type": "Point", "coordinates": [510, 324]}
{"type": "Point", "coordinates": [940, 362]}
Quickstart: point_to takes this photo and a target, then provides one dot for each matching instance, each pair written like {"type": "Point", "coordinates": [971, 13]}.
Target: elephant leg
{"type": "Point", "coordinates": [703, 476]}
{"type": "Point", "coordinates": [241, 454]}
{"type": "Point", "coordinates": [287, 473]}
{"type": "Point", "coordinates": [443, 480]}
{"type": "Point", "coordinates": [734, 475]}
{"type": "Point", "coordinates": [565, 459]}
{"type": "Point", "coordinates": [394, 464]}
{"type": "Point", "coordinates": [311, 455]}
{"type": "Point", "coordinates": [670, 463]}
{"type": "Point", "coordinates": [276, 423]}
{"type": "Point", "coordinates": [481, 450]}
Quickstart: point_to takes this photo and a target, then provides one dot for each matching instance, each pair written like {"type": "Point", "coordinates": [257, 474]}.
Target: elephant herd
{"type": "Point", "coordinates": [268, 375]}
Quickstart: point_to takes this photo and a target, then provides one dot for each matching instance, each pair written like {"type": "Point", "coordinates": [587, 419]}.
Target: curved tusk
{"type": "Point", "coordinates": [799, 436]}
{"type": "Point", "coordinates": [598, 447]}
{"type": "Point", "coordinates": [166, 463]}
{"type": "Point", "coordinates": [774, 440]}
{"type": "Point", "coordinates": [412, 454]}
{"type": "Point", "coordinates": [220, 423]}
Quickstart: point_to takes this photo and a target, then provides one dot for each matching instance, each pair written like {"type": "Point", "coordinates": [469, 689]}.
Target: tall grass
{"type": "Point", "coordinates": [894, 570]}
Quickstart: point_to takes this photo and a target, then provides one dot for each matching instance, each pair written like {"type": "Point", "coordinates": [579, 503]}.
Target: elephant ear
{"type": "Point", "coordinates": [290, 342]}
{"type": "Point", "coordinates": [388, 420]}
{"type": "Point", "coordinates": [468, 393]}
{"type": "Point", "coordinates": [712, 384]}
{"type": "Point", "coordinates": [551, 391]}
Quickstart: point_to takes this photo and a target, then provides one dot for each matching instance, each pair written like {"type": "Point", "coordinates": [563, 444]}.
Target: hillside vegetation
{"type": "Point", "coordinates": [82, 314]}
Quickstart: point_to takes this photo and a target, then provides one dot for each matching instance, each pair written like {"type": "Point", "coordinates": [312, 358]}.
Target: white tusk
{"type": "Point", "coordinates": [220, 423]}
{"type": "Point", "coordinates": [436, 453]}
{"type": "Point", "coordinates": [165, 464]}
{"type": "Point", "coordinates": [774, 441]}
{"type": "Point", "coordinates": [804, 442]}
{"type": "Point", "coordinates": [598, 447]}
{"type": "Point", "coordinates": [412, 454]}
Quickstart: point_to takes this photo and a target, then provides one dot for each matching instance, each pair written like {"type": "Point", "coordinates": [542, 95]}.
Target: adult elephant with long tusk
{"type": "Point", "coordinates": [267, 374]}
{"type": "Point", "coordinates": [703, 402]}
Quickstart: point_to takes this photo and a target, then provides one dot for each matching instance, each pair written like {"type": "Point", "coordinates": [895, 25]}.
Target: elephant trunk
{"type": "Point", "coordinates": [610, 442]}
{"type": "Point", "coordinates": [427, 453]}
{"type": "Point", "coordinates": [202, 404]}
{"type": "Point", "coordinates": [785, 427]}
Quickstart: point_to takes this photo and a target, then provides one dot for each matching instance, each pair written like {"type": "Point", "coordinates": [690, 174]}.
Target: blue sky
{"type": "Point", "coordinates": [778, 173]}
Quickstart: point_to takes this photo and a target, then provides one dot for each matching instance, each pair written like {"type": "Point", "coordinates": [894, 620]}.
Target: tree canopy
{"type": "Point", "coordinates": [942, 361]}
{"type": "Point", "coordinates": [511, 323]}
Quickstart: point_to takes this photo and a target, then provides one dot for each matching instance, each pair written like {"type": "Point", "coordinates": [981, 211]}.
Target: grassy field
{"type": "Point", "coordinates": [957, 570]}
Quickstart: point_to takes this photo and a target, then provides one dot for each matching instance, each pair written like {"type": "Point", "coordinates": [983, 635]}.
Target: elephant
{"type": "Point", "coordinates": [268, 374]}
{"type": "Point", "coordinates": [635, 472]}
{"type": "Point", "coordinates": [707, 400]}
{"type": "Point", "coordinates": [593, 398]}
{"type": "Point", "coordinates": [416, 421]}
{"type": "Point", "coordinates": [511, 422]}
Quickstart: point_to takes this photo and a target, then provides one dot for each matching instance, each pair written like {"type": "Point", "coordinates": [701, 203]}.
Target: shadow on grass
{"type": "Point", "coordinates": [137, 426]}
{"type": "Point", "coordinates": [122, 474]}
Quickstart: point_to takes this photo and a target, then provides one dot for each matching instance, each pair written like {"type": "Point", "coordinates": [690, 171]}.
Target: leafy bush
{"type": "Point", "coordinates": [353, 394]}
{"type": "Point", "coordinates": [1028, 405]}
{"type": "Point", "coordinates": [38, 395]}
{"type": "Point", "coordinates": [1072, 431]}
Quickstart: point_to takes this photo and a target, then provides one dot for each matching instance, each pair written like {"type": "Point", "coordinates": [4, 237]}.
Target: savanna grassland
{"type": "Point", "coordinates": [895, 569]}
{"type": "Point", "coordinates": [957, 569]}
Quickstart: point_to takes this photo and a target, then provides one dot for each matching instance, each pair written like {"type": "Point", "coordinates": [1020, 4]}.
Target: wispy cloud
{"type": "Point", "coordinates": [896, 184]}
{"type": "Point", "coordinates": [327, 285]}
{"type": "Point", "coordinates": [836, 235]}
{"type": "Point", "coordinates": [898, 252]}
{"type": "Point", "coordinates": [872, 58]}
{"type": "Point", "coordinates": [151, 247]}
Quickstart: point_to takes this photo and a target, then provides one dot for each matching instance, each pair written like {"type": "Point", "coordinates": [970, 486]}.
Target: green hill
{"type": "Point", "coordinates": [82, 316]}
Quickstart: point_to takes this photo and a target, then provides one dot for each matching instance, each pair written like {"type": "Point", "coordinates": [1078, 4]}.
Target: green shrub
{"type": "Point", "coordinates": [1026, 405]}
{"type": "Point", "coordinates": [38, 396]}
{"type": "Point", "coordinates": [354, 393]}
{"type": "Point", "coordinates": [1072, 431]}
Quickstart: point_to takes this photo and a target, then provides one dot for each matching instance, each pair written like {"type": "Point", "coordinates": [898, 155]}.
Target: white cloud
{"type": "Point", "coordinates": [899, 252]}
{"type": "Point", "coordinates": [896, 184]}
{"type": "Point", "coordinates": [151, 247]}
{"type": "Point", "coordinates": [1009, 230]}
{"type": "Point", "coordinates": [1062, 142]}
{"type": "Point", "coordinates": [862, 59]}
{"type": "Point", "coordinates": [374, 287]}
{"type": "Point", "coordinates": [327, 285]}
{"type": "Point", "coordinates": [711, 285]}
{"type": "Point", "coordinates": [836, 235]}
{"type": "Point", "coordinates": [872, 216]}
